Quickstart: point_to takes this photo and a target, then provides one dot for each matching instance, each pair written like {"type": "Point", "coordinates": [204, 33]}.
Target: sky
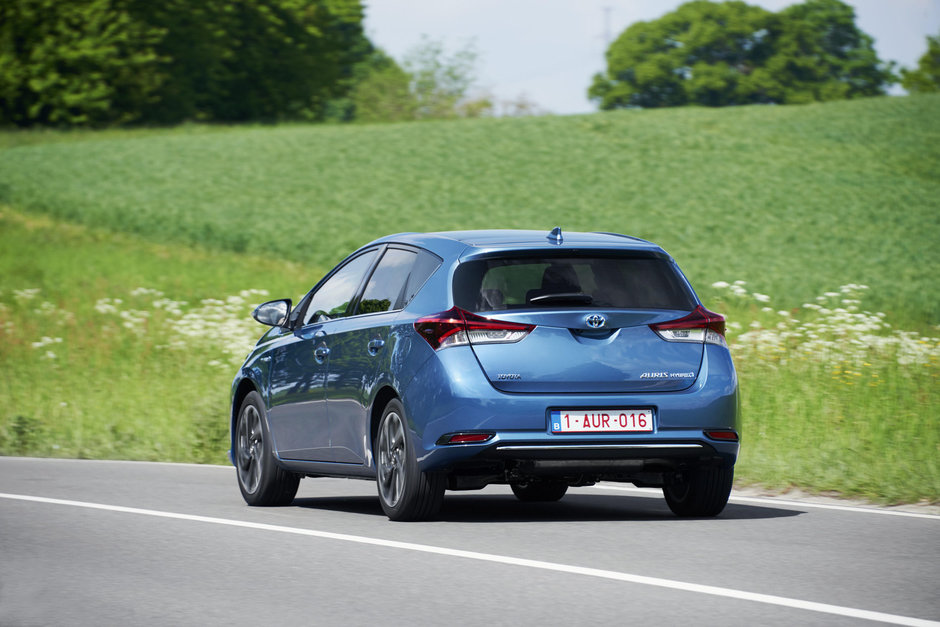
{"type": "Point", "coordinates": [547, 50]}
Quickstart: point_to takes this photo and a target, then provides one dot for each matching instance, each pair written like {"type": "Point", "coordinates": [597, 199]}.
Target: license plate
{"type": "Point", "coordinates": [630, 420]}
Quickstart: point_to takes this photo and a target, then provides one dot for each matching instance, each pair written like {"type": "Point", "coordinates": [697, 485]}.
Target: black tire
{"type": "Point", "coordinates": [701, 492]}
{"type": "Point", "coordinates": [543, 491]}
{"type": "Point", "coordinates": [405, 492]}
{"type": "Point", "coordinates": [260, 479]}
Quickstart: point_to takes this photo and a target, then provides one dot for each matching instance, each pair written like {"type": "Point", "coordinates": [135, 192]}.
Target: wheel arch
{"type": "Point", "coordinates": [245, 387]}
{"type": "Point", "coordinates": [382, 398]}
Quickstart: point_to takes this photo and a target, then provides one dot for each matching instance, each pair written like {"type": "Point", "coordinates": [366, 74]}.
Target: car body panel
{"type": "Point", "coordinates": [297, 414]}
{"type": "Point", "coordinates": [622, 357]}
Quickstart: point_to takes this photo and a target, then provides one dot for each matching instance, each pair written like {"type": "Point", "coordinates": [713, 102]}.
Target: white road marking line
{"type": "Point", "coordinates": [651, 492]}
{"type": "Point", "coordinates": [136, 462]}
{"type": "Point", "coordinates": [655, 492]}
{"type": "Point", "coordinates": [769, 599]}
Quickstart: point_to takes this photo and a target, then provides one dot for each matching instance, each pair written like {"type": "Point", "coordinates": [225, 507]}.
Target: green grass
{"type": "Point", "coordinates": [109, 391]}
{"type": "Point", "coordinates": [872, 432]}
{"type": "Point", "coordinates": [795, 200]}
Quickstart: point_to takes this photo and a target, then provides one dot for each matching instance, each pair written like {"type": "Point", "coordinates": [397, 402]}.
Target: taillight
{"type": "Point", "coordinates": [699, 326]}
{"type": "Point", "coordinates": [457, 327]}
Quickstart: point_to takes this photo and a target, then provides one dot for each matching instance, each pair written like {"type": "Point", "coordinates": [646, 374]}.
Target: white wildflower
{"type": "Point", "coordinates": [146, 291]}
{"type": "Point", "coordinates": [45, 341]}
{"type": "Point", "coordinates": [21, 296]}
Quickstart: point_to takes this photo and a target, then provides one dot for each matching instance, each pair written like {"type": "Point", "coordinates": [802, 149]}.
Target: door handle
{"type": "Point", "coordinates": [321, 353]}
{"type": "Point", "coordinates": [375, 346]}
{"type": "Point", "coordinates": [308, 333]}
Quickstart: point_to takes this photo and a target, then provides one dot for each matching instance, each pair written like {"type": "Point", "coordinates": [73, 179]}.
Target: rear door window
{"type": "Point", "coordinates": [606, 281]}
{"type": "Point", "coordinates": [386, 288]}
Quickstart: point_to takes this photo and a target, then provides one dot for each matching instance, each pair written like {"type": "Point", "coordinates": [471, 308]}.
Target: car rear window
{"type": "Point", "coordinates": [609, 281]}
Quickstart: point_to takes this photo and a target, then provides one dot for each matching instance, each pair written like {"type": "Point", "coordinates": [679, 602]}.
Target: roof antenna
{"type": "Point", "coordinates": [555, 236]}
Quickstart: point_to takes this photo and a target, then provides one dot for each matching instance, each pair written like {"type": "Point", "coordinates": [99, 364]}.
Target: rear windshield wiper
{"type": "Point", "coordinates": [567, 297]}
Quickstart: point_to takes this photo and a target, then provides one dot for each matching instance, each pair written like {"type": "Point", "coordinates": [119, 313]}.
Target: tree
{"type": "Point", "coordinates": [75, 62]}
{"type": "Point", "coordinates": [926, 78]}
{"type": "Point", "coordinates": [718, 54]}
{"type": "Point", "coordinates": [439, 82]}
{"type": "Point", "coordinates": [235, 61]}
{"type": "Point", "coordinates": [430, 84]}
{"type": "Point", "coordinates": [820, 54]}
{"type": "Point", "coordinates": [115, 61]}
{"type": "Point", "coordinates": [382, 92]}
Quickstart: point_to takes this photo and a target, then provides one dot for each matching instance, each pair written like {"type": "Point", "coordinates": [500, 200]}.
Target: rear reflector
{"type": "Point", "coordinates": [465, 438]}
{"type": "Point", "coordinates": [729, 436]}
{"type": "Point", "coordinates": [699, 326]}
{"type": "Point", "coordinates": [457, 327]}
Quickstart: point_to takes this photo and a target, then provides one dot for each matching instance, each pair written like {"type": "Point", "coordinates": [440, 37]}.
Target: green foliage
{"type": "Point", "coordinates": [794, 200]}
{"type": "Point", "coordinates": [806, 425]}
{"type": "Point", "coordinates": [75, 62]}
{"type": "Point", "coordinates": [926, 78]}
{"type": "Point", "coordinates": [432, 85]}
{"type": "Point", "coordinates": [730, 53]}
{"type": "Point", "coordinates": [821, 55]}
{"type": "Point", "coordinates": [440, 82]}
{"type": "Point", "coordinates": [83, 382]}
{"type": "Point", "coordinates": [94, 366]}
{"type": "Point", "coordinates": [96, 62]}
{"type": "Point", "coordinates": [382, 92]}
{"type": "Point", "coordinates": [254, 59]}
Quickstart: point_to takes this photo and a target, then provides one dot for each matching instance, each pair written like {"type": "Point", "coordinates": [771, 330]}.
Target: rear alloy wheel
{"type": "Point", "coordinates": [700, 492]}
{"type": "Point", "coordinates": [260, 480]}
{"type": "Point", "coordinates": [544, 491]}
{"type": "Point", "coordinates": [405, 492]}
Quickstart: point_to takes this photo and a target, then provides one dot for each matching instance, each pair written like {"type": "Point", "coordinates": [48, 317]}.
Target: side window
{"type": "Point", "coordinates": [333, 297]}
{"type": "Point", "coordinates": [387, 285]}
{"type": "Point", "coordinates": [424, 267]}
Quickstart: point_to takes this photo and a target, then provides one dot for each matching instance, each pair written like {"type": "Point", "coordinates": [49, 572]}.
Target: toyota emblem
{"type": "Point", "coordinates": [596, 321]}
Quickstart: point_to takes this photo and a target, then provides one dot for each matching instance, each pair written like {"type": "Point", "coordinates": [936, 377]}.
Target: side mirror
{"type": "Point", "coordinates": [273, 313]}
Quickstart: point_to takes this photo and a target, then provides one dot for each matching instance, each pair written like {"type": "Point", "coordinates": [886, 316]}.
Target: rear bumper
{"type": "Point", "coordinates": [605, 459]}
{"type": "Point", "coordinates": [450, 394]}
{"type": "Point", "coordinates": [647, 463]}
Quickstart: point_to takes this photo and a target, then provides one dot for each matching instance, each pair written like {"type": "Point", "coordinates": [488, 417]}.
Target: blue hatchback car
{"type": "Point", "coordinates": [449, 361]}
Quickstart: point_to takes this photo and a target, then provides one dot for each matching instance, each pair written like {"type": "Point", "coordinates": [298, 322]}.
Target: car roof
{"type": "Point", "coordinates": [470, 243]}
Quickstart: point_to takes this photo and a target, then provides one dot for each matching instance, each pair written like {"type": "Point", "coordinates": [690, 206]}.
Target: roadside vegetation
{"type": "Point", "coordinates": [113, 347]}
{"type": "Point", "coordinates": [794, 200]}
{"type": "Point", "coordinates": [129, 262]}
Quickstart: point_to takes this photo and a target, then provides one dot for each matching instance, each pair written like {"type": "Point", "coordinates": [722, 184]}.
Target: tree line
{"type": "Point", "coordinates": [119, 62]}
{"type": "Point", "coordinates": [96, 62]}
{"type": "Point", "coordinates": [731, 53]}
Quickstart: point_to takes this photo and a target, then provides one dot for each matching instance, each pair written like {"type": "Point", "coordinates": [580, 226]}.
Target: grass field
{"type": "Point", "coordinates": [92, 351]}
{"type": "Point", "coordinates": [795, 200]}
{"type": "Point", "coordinates": [116, 247]}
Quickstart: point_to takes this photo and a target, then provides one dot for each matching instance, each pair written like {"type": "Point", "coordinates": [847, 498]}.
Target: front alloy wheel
{"type": "Point", "coordinates": [260, 480]}
{"type": "Point", "coordinates": [405, 492]}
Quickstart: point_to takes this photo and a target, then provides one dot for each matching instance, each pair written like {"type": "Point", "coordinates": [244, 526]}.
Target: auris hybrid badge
{"type": "Point", "coordinates": [667, 375]}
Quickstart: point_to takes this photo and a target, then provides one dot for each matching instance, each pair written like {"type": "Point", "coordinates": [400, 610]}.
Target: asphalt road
{"type": "Point", "coordinates": [117, 543]}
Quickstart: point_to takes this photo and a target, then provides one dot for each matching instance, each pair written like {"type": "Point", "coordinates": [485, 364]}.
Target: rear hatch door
{"type": "Point", "coordinates": [564, 354]}
{"type": "Point", "coordinates": [592, 310]}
